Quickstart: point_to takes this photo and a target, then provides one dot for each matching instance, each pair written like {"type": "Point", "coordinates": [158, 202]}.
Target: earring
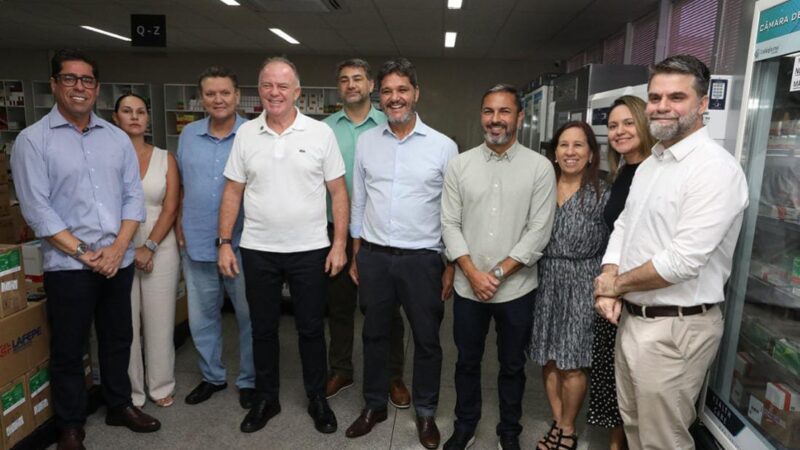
{"type": "Point", "coordinates": [590, 161]}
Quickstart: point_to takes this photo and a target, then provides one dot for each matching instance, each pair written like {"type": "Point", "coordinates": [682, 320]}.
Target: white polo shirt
{"type": "Point", "coordinates": [285, 175]}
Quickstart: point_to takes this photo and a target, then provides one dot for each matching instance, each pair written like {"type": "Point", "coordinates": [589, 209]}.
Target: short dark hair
{"type": "Point", "coordinates": [68, 54]}
{"type": "Point", "coordinates": [217, 72]}
{"type": "Point", "coordinates": [503, 88]}
{"type": "Point", "coordinates": [591, 174]}
{"type": "Point", "coordinates": [399, 66]}
{"type": "Point", "coordinates": [130, 94]}
{"type": "Point", "coordinates": [354, 62]}
{"type": "Point", "coordinates": [687, 65]}
{"type": "Point", "coordinates": [280, 59]}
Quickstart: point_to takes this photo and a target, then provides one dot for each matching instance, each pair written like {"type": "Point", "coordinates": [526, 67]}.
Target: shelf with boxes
{"type": "Point", "coordinates": [12, 112]}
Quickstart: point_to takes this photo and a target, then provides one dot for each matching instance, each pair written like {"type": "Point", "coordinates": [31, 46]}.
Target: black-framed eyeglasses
{"type": "Point", "coordinates": [70, 79]}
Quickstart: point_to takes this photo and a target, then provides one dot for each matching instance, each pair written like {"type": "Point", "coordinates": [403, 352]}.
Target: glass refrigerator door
{"type": "Point", "coordinates": [754, 388]}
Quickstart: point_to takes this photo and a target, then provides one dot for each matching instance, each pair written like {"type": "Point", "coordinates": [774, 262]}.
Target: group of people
{"type": "Point", "coordinates": [619, 280]}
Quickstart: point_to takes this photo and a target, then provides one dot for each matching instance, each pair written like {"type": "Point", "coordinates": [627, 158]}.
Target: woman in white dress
{"type": "Point", "coordinates": [157, 262]}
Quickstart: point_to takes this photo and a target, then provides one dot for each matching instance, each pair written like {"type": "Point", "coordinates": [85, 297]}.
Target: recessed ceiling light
{"type": "Point", "coordinates": [285, 36]}
{"type": "Point", "coordinates": [107, 33]}
{"type": "Point", "coordinates": [230, 2]}
{"type": "Point", "coordinates": [454, 4]}
{"type": "Point", "coordinates": [450, 39]}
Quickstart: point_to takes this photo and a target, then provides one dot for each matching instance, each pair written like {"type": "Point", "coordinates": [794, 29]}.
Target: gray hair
{"type": "Point", "coordinates": [503, 88]}
{"type": "Point", "coordinates": [281, 59]}
{"type": "Point", "coordinates": [686, 65]}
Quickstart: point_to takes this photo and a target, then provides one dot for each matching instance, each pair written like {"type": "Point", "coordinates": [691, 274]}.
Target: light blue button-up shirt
{"type": "Point", "coordinates": [84, 181]}
{"type": "Point", "coordinates": [201, 161]}
{"type": "Point", "coordinates": [397, 187]}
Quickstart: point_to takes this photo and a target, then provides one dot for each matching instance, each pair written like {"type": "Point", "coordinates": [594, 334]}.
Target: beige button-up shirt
{"type": "Point", "coordinates": [498, 206]}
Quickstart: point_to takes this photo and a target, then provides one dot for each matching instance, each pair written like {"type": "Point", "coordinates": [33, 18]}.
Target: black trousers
{"type": "Point", "coordinates": [264, 273]}
{"type": "Point", "coordinates": [414, 282]}
{"type": "Point", "coordinates": [513, 321]}
{"type": "Point", "coordinates": [342, 302]}
{"type": "Point", "coordinates": [74, 299]}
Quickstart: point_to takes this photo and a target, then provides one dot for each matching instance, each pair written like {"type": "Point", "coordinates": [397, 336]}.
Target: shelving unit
{"type": "Point", "coordinates": [42, 99]}
{"type": "Point", "coordinates": [12, 112]}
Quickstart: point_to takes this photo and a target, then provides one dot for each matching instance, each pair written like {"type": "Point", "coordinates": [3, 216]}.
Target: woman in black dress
{"type": "Point", "coordinates": [629, 138]}
{"type": "Point", "coordinates": [561, 337]}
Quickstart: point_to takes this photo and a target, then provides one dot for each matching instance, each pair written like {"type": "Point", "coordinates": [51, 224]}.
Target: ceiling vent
{"type": "Point", "coordinates": [295, 6]}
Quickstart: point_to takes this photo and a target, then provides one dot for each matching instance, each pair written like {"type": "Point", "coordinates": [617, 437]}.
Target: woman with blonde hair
{"type": "Point", "coordinates": [629, 144]}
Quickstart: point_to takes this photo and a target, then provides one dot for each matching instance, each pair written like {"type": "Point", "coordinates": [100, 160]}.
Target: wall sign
{"type": "Point", "coordinates": [148, 30]}
{"type": "Point", "coordinates": [778, 30]}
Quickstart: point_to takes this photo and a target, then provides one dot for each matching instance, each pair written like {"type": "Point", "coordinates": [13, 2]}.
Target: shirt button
{"type": "Point", "coordinates": [97, 187]}
{"type": "Point", "coordinates": [491, 234]}
{"type": "Point", "coordinates": [496, 185]}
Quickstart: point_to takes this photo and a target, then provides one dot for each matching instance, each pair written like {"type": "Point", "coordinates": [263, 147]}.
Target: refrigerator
{"type": "Point", "coordinates": [537, 125]}
{"type": "Point", "coordinates": [751, 401]}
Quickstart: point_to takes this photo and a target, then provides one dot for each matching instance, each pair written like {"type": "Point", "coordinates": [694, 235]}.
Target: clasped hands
{"type": "Point", "coordinates": [607, 298]}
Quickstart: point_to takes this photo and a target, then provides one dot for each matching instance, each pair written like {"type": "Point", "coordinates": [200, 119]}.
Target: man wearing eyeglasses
{"type": "Point", "coordinates": [77, 180]}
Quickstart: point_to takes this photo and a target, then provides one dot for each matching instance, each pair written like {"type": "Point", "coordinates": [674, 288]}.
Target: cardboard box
{"type": "Point", "coordinates": [32, 260]}
{"type": "Point", "coordinates": [38, 384]}
{"type": "Point", "coordinates": [5, 199]}
{"type": "Point", "coordinates": [16, 420]}
{"type": "Point", "coordinates": [781, 425]}
{"type": "Point", "coordinates": [21, 232]}
{"type": "Point", "coordinates": [24, 341]}
{"type": "Point", "coordinates": [744, 362]}
{"type": "Point", "coordinates": [13, 292]}
{"type": "Point", "coordinates": [783, 397]}
{"type": "Point", "coordinates": [755, 408]}
{"type": "Point", "coordinates": [4, 167]}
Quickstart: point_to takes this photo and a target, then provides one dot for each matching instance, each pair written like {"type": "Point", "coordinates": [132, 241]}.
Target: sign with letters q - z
{"type": "Point", "coordinates": [148, 30]}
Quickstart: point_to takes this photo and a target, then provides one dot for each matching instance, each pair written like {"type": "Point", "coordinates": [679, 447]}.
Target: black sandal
{"type": "Point", "coordinates": [562, 436]}
{"type": "Point", "coordinates": [549, 439]}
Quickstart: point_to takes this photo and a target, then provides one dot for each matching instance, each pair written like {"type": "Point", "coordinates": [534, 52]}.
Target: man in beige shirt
{"type": "Point", "coordinates": [498, 206]}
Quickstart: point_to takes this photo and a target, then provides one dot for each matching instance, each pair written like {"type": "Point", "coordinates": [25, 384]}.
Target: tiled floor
{"type": "Point", "coordinates": [215, 423]}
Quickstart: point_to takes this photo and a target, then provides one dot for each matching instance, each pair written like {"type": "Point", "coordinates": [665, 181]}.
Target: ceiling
{"type": "Point", "coordinates": [487, 29]}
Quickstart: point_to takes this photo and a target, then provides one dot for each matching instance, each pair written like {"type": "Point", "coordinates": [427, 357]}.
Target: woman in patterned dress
{"type": "Point", "coordinates": [561, 340]}
{"type": "Point", "coordinates": [629, 138]}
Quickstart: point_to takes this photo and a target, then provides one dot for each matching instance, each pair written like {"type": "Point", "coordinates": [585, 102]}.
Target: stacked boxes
{"type": "Point", "coordinates": [13, 295]}
{"type": "Point", "coordinates": [38, 384]}
{"type": "Point", "coordinates": [16, 415]}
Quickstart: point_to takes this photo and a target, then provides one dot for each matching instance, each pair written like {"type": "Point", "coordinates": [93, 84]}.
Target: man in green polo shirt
{"type": "Point", "coordinates": [354, 79]}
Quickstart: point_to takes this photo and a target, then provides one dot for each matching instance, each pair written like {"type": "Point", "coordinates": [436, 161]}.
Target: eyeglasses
{"type": "Point", "coordinates": [69, 80]}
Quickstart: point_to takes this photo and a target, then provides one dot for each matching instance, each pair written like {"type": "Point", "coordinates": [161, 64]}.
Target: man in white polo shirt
{"type": "Point", "coordinates": [281, 163]}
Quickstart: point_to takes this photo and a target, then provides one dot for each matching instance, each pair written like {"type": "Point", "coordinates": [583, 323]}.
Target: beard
{"type": "Point", "coordinates": [501, 139]}
{"type": "Point", "coordinates": [673, 130]}
{"type": "Point", "coordinates": [405, 118]}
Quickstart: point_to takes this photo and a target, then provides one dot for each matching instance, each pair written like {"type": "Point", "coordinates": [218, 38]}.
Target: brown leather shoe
{"type": "Point", "coordinates": [336, 384]}
{"type": "Point", "coordinates": [428, 432]}
{"type": "Point", "coordinates": [365, 422]}
{"type": "Point", "coordinates": [72, 439]}
{"type": "Point", "coordinates": [134, 419]}
{"type": "Point", "coordinates": [398, 394]}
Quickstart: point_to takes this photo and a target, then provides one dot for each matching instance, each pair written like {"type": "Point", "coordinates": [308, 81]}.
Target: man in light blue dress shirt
{"type": "Point", "coordinates": [203, 150]}
{"type": "Point", "coordinates": [77, 180]}
{"type": "Point", "coordinates": [397, 239]}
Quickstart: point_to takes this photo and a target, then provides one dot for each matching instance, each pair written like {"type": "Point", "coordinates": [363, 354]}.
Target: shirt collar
{"type": "Point", "coordinates": [203, 130]}
{"type": "Point", "coordinates": [299, 124]}
{"type": "Point", "coordinates": [373, 115]}
{"type": "Point", "coordinates": [682, 148]}
{"type": "Point", "coordinates": [509, 154]}
{"type": "Point", "coordinates": [58, 120]}
{"type": "Point", "coordinates": [419, 128]}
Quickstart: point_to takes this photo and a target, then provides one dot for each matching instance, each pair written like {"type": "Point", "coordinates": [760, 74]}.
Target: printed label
{"type": "Point", "coordinates": [12, 398]}
{"type": "Point", "coordinates": [9, 262]}
{"type": "Point", "coordinates": [14, 426]}
{"type": "Point", "coordinates": [39, 407]}
{"type": "Point", "coordinates": [9, 286]}
{"type": "Point", "coordinates": [39, 381]}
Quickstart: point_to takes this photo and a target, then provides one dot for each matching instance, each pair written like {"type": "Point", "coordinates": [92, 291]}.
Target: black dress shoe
{"type": "Point", "coordinates": [259, 415]}
{"type": "Point", "coordinates": [247, 397]}
{"type": "Point", "coordinates": [71, 439]}
{"type": "Point", "coordinates": [203, 392]}
{"type": "Point", "coordinates": [324, 419]}
{"type": "Point", "coordinates": [134, 419]}
{"type": "Point", "coordinates": [364, 423]}
{"type": "Point", "coordinates": [460, 440]}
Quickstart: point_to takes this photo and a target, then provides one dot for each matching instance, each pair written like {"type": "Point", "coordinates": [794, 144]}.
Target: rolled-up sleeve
{"type": "Point", "coordinates": [454, 241]}
{"type": "Point", "coordinates": [133, 194]}
{"type": "Point", "coordinates": [710, 206]}
{"type": "Point", "coordinates": [540, 219]}
{"type": "Point", "coordinates": [33, 188]}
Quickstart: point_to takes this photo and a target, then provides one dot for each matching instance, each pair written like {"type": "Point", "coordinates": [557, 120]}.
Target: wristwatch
{"type": "Point", "coordinates": [151, 245]}
{"type": "Point", "coordinates": [222, 241]}
{"type": "Point", "coordinates": [80, 250]}
{"type": "Point", "coordinates": [498, 273]}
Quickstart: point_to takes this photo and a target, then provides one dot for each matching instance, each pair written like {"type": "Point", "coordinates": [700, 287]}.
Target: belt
{"type": "Point", "coordinates": [396, 251]}
{"type": "Point", "coordinates": [649, 312]}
